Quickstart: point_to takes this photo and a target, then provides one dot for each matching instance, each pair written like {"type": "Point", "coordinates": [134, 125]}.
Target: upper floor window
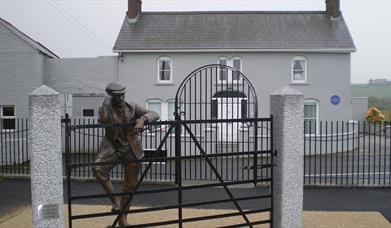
{"type": "Point", "coordinates": [223, 76]}
{"type": "Point", "coordinates": [299, 69]}
{"type": "Point", "coordinates": [7, 116]}
{"type": "Point", "coordinates": [165, 70]}
{"type": "Point", "coordinates": [311, 116]}
{"type": "Point", "coordinates": [226, 75]}
{"type": "Point", "coordinates": [237, 65]}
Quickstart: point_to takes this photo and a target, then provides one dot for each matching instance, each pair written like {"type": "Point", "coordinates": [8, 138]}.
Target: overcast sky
{"type": "Point", "coordinates": [88, 28]}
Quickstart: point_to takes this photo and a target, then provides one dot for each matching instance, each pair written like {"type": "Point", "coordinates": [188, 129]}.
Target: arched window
{"type": "Point", "coordinates": [223, 76]}
{"type": "Point", "coordinates": [311, 116]}
{"type": "Point", "coordinates": [164, 70]}
{"type": "Point", "coordinates": [299, 69]}
{"type": "Point", "coordinates": [237, 65]}
{"type": "Point", "coordinates": [228, 76]}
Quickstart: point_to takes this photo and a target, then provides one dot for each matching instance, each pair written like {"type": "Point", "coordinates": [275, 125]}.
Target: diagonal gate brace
{"type": "Point", "coordinates": [218, 175]}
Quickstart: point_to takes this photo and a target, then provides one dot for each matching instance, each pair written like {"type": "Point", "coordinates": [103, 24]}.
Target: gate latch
{"type": "Point", "coordinates": [275, 153]}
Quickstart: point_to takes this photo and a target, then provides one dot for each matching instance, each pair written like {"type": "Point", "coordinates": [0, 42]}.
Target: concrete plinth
{"type": "Point", "coordinates": [287, 108]}
{"type": "Point", "coordinates": [46, 162]}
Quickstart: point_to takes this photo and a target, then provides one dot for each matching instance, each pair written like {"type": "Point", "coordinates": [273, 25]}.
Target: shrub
{"type": "Point", "coordinates": [375, 116]}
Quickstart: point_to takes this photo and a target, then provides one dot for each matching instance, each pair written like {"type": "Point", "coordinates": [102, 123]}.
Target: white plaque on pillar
{"type": "Point", "coordinates": [48, 211]}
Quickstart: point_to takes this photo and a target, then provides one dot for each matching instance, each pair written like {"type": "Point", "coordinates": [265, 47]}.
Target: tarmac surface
{"type": "Point", "coordinates": [15, 194]}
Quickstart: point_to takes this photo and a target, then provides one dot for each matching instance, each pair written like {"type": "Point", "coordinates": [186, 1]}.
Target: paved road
{"type": "Point", "coordinates": [16, 193]}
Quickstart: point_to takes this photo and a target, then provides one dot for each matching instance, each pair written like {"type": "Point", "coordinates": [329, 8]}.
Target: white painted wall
{"type": "Point", "coordinates": [328, 75]}
{"type": "Point", "coordinates": [21, 71]}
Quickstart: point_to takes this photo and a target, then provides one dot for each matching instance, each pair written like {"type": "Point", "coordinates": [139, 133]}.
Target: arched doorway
{"type": "Point", "coordinates": [217, 92]}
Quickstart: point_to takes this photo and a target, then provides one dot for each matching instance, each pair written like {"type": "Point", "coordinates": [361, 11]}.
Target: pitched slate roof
{"type": "Point", "coordinates": [31, 42]}
{"type": "Point", "coordinates": [258, 30]}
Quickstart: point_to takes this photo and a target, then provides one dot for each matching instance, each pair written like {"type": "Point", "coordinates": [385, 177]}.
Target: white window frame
{"type": "Point", "coordinates": [299, 58]}
{"type": "Point", "coordinates": [227, 64]}
{"type": "Point", "coordinates": [317, 104]}
{"type": "Point", "coordinates": [159, 81]}
{"type": "Point", "coordinates": [154, 100]}
{"type": "Point", "coordinates": [167, 109]}
{"type": "Point", "coordinates": [230, 63]}
{"type": "Point", "coordinates": [164, 109]}
{"type": "Point", "coordinates": [241, 66]}
{"type": "Point", "coordinates": [7, 117]}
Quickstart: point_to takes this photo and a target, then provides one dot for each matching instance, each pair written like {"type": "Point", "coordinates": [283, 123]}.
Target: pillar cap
{"type": "Point", "coordinates": [44, 90]}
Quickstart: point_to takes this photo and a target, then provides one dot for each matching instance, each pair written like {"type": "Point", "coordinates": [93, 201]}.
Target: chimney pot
{"type": "Point", "coordinates": [134, 9]}
{"type": "Point", "coordinates": [333, 8]}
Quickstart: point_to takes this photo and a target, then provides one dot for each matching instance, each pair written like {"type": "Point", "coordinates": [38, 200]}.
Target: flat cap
{"type": "Point", "coordinates": [115, 88]}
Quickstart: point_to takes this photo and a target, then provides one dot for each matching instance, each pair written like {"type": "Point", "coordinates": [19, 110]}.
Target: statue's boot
{"type": "Point", "coordinates": [125, 205]}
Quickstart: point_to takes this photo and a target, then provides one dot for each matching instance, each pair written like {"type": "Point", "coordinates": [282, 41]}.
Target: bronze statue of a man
{"type": "Point", "coordinates": [121, 143]}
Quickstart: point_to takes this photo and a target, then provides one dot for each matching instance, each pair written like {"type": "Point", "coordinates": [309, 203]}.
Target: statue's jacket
{"type": "Point", "coordinates": [123, 139]}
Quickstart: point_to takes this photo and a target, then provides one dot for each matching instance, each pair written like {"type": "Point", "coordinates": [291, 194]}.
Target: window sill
{"type": "Point", "coordinates": [164, 83]}
{"type": "Point", "coordinates": [299, 83]}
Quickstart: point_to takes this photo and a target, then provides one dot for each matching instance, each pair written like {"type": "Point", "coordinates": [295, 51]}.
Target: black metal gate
{"type": "Point", "coordinates": [216, 141]}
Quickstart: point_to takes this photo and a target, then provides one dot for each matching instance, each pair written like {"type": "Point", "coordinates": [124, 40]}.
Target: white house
{"type": "Point", "coordinates": [307, 50]}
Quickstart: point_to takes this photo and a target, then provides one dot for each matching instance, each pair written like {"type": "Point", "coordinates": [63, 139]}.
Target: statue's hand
{"type": "Point", "coordinates": [139, 127]}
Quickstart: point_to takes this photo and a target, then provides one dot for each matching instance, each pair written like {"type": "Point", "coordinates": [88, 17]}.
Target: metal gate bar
{"type": "Point", "coordinates": [217, 174]}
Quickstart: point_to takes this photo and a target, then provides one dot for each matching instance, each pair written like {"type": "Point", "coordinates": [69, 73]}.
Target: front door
{"type": "Point", "coordinates": [228, 108]}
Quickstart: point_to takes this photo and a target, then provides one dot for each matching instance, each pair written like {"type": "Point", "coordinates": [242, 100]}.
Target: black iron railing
{"type": "Point", "coordinates": [348, 153]}
{"type": "Point", "coordinates": [85, 139]}
{"type": "Point", "coordinates": [337, 153]}
{"type": "Point", "coordinates": [14, 148]}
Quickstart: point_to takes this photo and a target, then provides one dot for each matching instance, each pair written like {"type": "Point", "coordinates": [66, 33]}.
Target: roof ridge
{"type": "Point", "coordinates": [233, 12]}
{"type": "Point", "coordinates": [272, 31]}
{"type": "Point", "coordinates": [24, 37]}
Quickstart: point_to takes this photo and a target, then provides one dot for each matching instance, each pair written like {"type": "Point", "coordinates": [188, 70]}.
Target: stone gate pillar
{"type": "Point", "coordinates": [46, 161]}
{"type": "Point", "coordinates": [287, 108]}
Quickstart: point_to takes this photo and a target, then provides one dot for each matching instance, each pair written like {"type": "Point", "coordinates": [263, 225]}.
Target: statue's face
{"type": "Point", "coordinates": [119, 100]}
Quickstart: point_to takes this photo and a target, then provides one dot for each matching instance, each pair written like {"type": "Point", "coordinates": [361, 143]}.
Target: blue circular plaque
{"type": "Point", "coordinates": [335, 100]}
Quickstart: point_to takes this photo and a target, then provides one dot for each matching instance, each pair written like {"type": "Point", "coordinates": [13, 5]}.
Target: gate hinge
{"type": "Point", "coordinates": [275, 153]}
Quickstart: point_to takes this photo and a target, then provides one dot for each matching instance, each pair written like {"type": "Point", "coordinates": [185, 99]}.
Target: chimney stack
{"type": "Point", "coordinates": [134, 9]}
{"type": "Point", "coordinates": [333, 8]}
